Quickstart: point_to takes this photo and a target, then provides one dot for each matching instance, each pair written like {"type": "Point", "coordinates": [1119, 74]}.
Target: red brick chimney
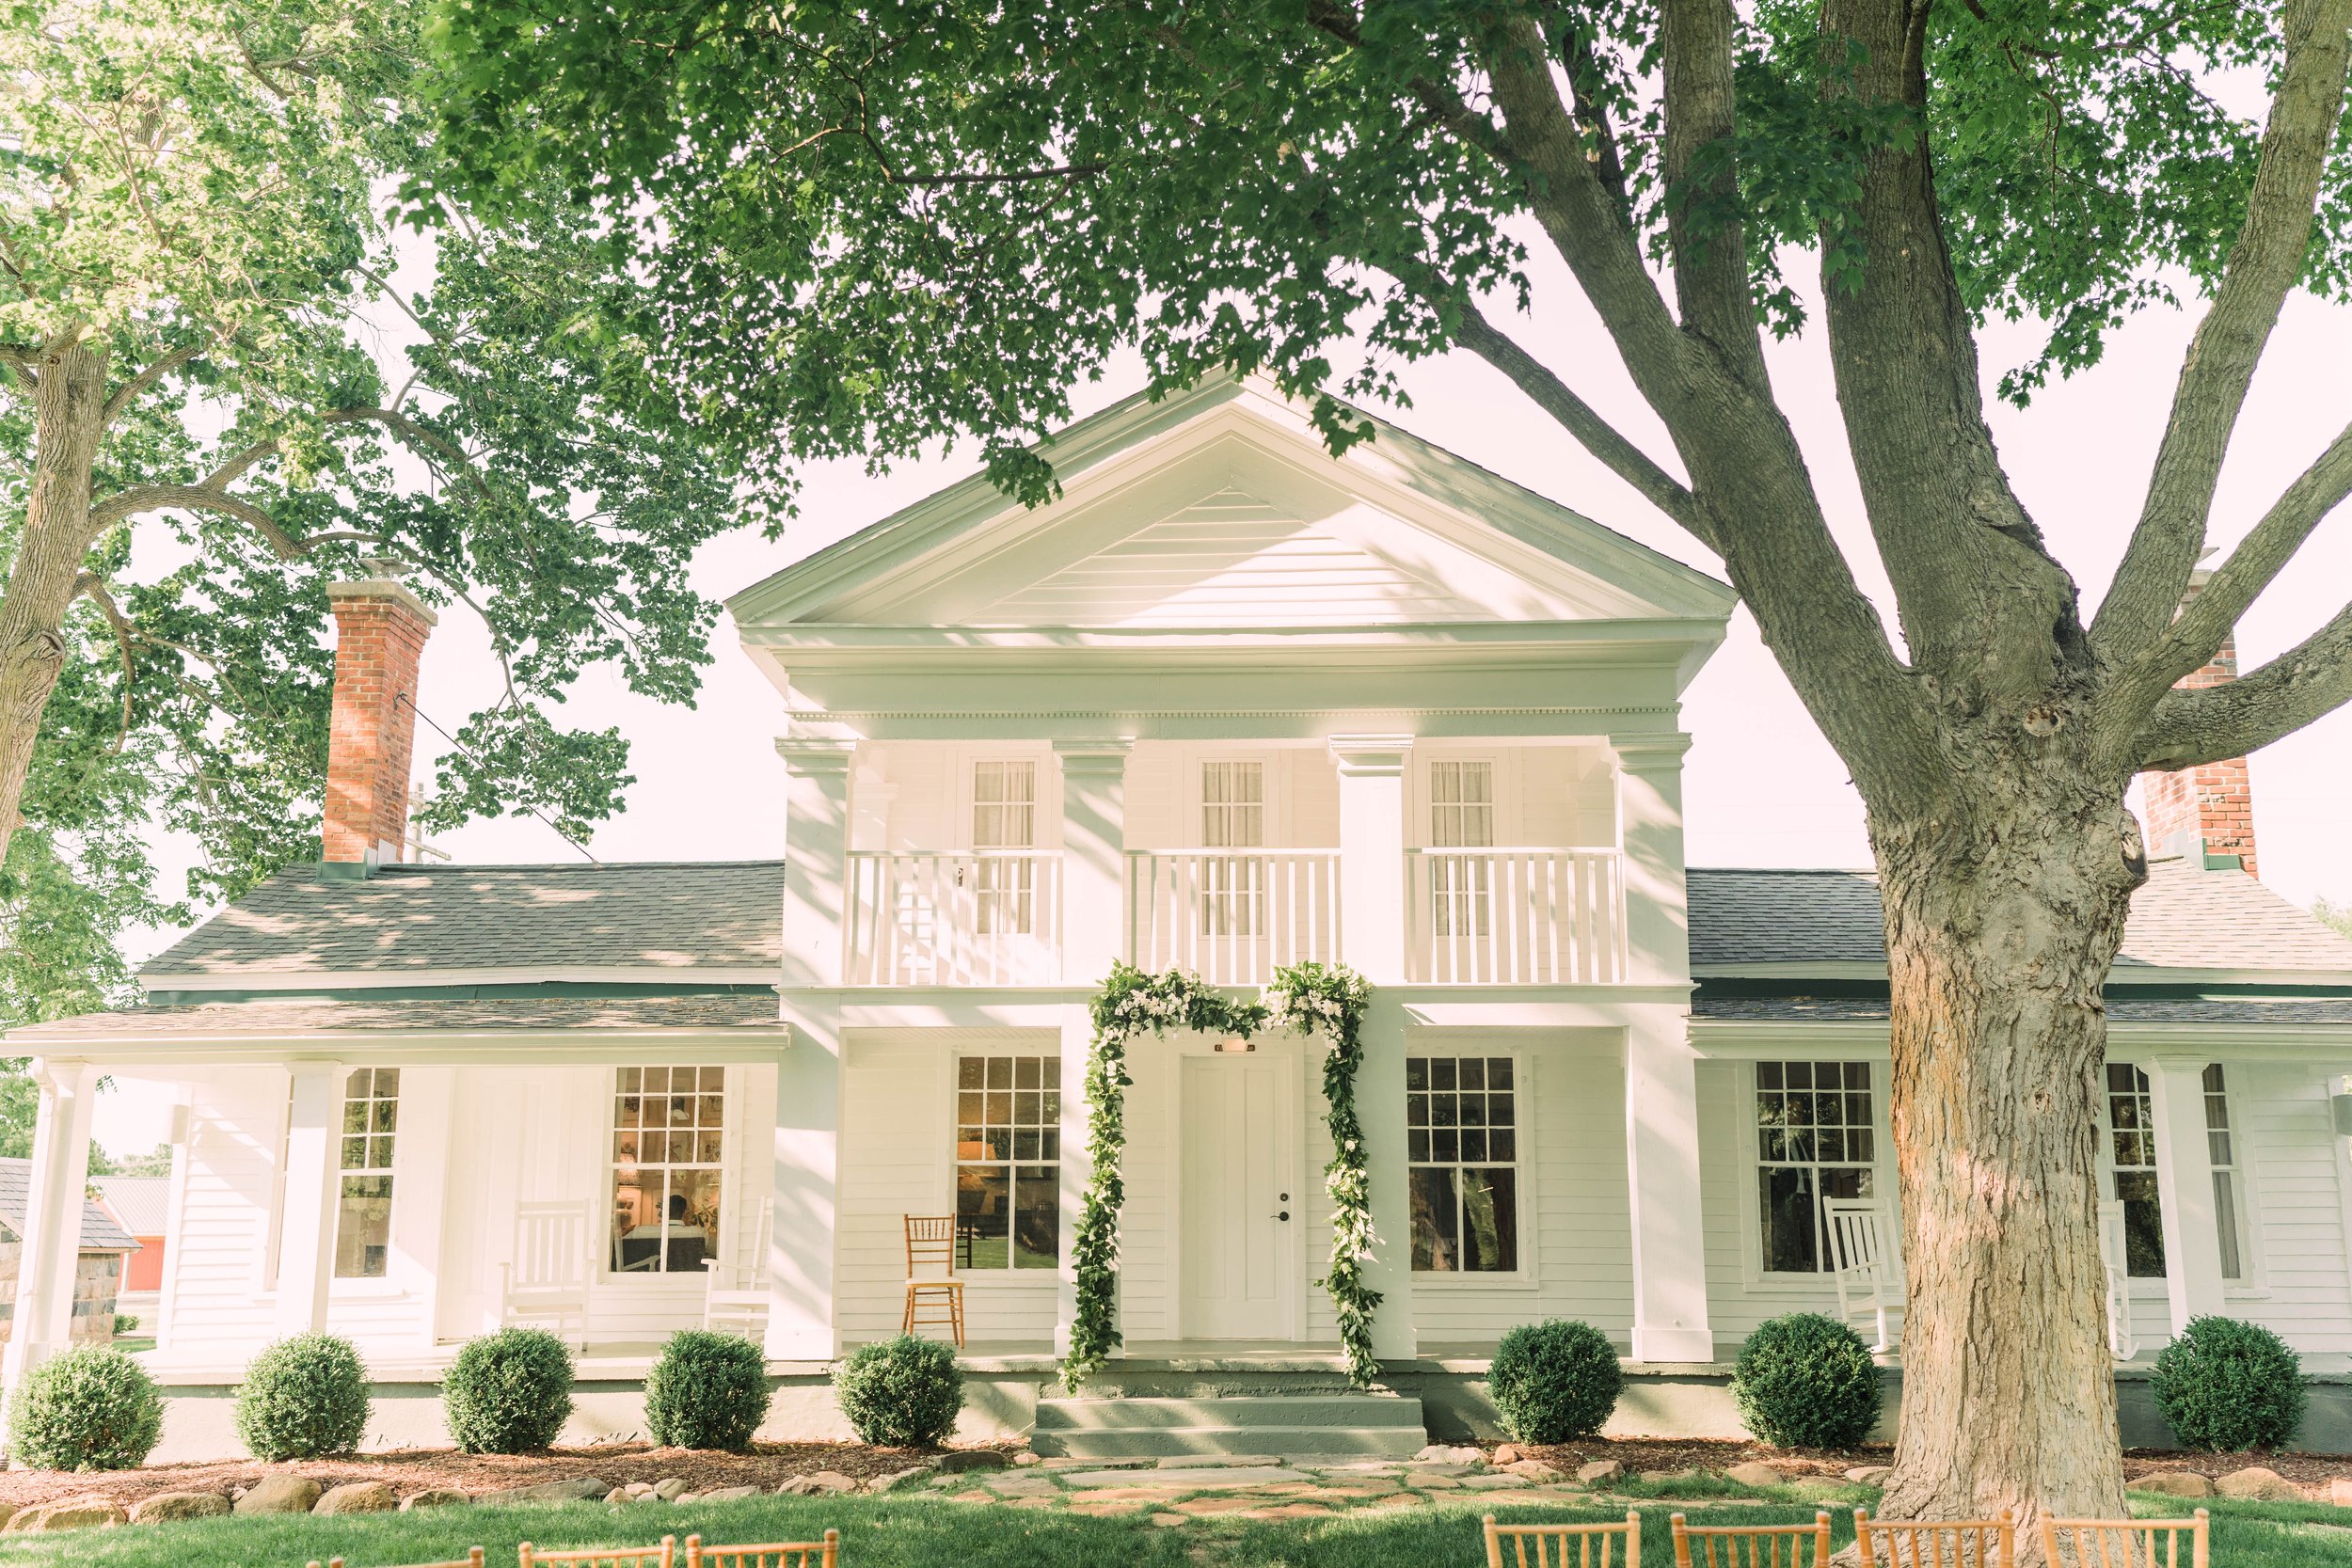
{"type": "Point", "coordinates": [380, 628]}
{"type": "Point", "coordinates": [2204, 812]}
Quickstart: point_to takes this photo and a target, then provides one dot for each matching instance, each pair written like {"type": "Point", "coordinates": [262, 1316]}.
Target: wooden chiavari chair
{"type": "Point", "coordinates": [1565, 1546]}
{"type": "Point", "coordinates": [1941, 1543]}
{"type": "Point", "coordinates": [930, 1274]}
{"type": "Point", "coordinates": [774, 1554]}
{"type": "Point", "coordinates": [663, 1555]}
{"type": "Point", "coordinates": [2125, 1542]}
{"type": "Point", "coordinates": [1752, 1546]}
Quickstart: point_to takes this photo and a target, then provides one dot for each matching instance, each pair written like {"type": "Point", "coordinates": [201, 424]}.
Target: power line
{"type": "Point", "coordinates": [534, 810]}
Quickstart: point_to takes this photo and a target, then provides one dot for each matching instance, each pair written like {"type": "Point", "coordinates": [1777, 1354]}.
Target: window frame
{"type": "Point", "coordinates": [1004, 893]}
{"type": "Point", "coordinates": [388, 1172]}
{"type": "Point", "coordinates": [727, 1190]}
{"type": "Point", "coordinates": [1753, 1274]}
{"type": "Point", "coordinates": [1049, 1049]}
{"type": "Point", "coordinates": [1524, 1115]}
{"type": "Point", "coordinates": [2140, 1284]}
{"type": "Point", "coordinates": [2253, 1278]}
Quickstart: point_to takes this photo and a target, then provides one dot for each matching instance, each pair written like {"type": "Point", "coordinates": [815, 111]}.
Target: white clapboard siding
{"type": "Point", "coordinates": [218, 1272]}
{"type": "Point", "coordinates": [2296, 1198]}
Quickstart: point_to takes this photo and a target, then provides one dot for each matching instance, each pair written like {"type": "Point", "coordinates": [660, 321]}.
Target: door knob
{"type": "Point", "coordinates": [1283, 1215]}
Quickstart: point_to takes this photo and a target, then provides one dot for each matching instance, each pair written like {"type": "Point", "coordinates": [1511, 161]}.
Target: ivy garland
{"type": "Point", "coordinates": [1308, 997]}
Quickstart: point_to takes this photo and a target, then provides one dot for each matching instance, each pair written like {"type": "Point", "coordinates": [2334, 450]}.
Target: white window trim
{"type": "Point", "coordinates": [1502, 768]}
{"type": "Point", "coordinates": [1529, 1275]}
{"type": "Point", "coordinates": [600, 1217]}
{"type": "Point", "coordinates": [2152, 1286]}
{"type": "Point", "coordinates": [2255, 1283]}
{"type": "Point", "coordinates": [963, 790]}
{"type": "Point", "coordinates": [1006, 1278]}
{"type": "Point", "coordinates": [1274, 815]}
{"type": "Point", "coordinates": [1752, 1274]}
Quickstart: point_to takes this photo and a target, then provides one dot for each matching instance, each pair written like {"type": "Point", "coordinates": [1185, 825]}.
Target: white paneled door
{"type": "Point", "coordinates": [1240, 1200]}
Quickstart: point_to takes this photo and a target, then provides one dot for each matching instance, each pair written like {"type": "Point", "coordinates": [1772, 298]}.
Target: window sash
{"type": "Point", "coordinates": [1007, 1163]}
{"type": "Point", "coordinates": [2131, 1142]}
{"type": "Point", "coordinates": [668, 1154]}
{"type": "Point", "coordinates": [363, 1191]}
{"type": "Point", "coordinates": [2221, 1153]}
{"type": "Point", "coordinates": [1816, 1139]}
{"type": "Point", "coordinates": [1462, 1132]}
{"type": "Point", "coordinates": [1004, 805]}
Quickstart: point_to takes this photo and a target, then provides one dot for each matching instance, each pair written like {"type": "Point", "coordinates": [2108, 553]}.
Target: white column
{"type": "Point", "coordinates": [1661, 1102]}
{"type": "Point", "coordinates": [1093, 936]}
{"type": "Point", "coordinates": [804, 1185]}
{"type": "Point", "coordinates": [815, 858]}
{"type": "Point", "coordinates": [1380, 1106]}
{"type": "Point", "coordinates": [1372, 854]}
{"type": "Point", "coordinates": [306, 1230]}
{"type": "Point", "coordinates": [2192, 1231]}
{"type": "Point", "coordinates": [53, 1217]}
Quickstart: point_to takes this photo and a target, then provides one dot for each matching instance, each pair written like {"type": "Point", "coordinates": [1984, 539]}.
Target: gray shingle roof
{"type": "Point", "coordinates": [2184, 918]}
{"type": "Point", "coordinates": [1873, 1009]}
{"type": "Point", "coordinates": [669, 916]}
{"type": "Point", "coordinates": [99, 1232]}
{"type": "Point", "coordinates": [304, 1016]}
{"type": "Point", "coordinates": [141, 1204]}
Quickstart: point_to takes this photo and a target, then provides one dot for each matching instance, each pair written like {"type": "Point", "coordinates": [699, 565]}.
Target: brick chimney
{"type": "Point", "coordinates": [380, 628]}
{"type": "Point", "coordinates": [2206, 813]}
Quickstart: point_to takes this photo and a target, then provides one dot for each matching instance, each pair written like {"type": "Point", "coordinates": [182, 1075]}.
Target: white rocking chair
{"type": "Point", "coordinates": [547, 1282]}
{"type": "Point", "coordinates": [1867, 1270]}
{"type": "Point", "coordinates": [735, 1300]}
{"type": "Point", "coordinates": [2123, 1341]}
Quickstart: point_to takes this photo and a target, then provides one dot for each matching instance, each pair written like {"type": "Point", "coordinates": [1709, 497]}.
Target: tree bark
{"type": "Point", "coordinates": [2000, 931]}
{"type": "Point", "coordinates": [69, 404]}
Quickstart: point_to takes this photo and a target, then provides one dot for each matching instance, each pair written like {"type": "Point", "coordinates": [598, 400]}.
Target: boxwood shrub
{"type": "Point", "coordinates": [508, 1392]}
{"type": "Point", "coordinates": [902, 1393]}
{"type": "Point", "coordinates": [1554, 1382]}
{"type": "Point", "coordinates": [1806, 1381]}
{"type": "Point", "coordinates": [303, 1397]}
{"type": "Point", "coordinates": [2228, 1386]}
{"type": "Point", "coordinates": [707, 1391]}
{"type": "Point", "coordinates": [88, 1408]}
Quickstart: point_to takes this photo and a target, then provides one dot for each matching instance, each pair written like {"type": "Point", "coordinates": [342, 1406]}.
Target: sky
{"type": "Point", "coordinates": [1761, 788]}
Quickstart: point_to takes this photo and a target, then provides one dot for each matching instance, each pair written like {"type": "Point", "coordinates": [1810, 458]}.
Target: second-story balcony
{"type": "Point", "coordinates": [974, 917]}
{"type": "Point", "coordinates": [1233, 916]}
{"type": "Point", "coordinates": [1514, 917]}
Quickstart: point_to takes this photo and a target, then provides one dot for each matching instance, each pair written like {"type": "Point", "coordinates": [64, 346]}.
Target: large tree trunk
{"type": "Point", "coordinates": [1999, 936]}
{"type": "Point", "coordinates": [69, 405]}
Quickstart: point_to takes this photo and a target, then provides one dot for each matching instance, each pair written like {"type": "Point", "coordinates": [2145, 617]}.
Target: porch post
{"type": "Point", "coordinates": [52, 1218]}
{"type": "Point", "coordinates": [1093, 936]}
{"type": "Point", "coordinates": [804, 1182]}
{"type": "Point", "coordinates": [1662, 1103]}
{"type": "Point", "coordinates": [2192, 1228]}
{"type": "Point", "coordinates": [815, 859]}
{"type": "Point", "coordinates": [1372, 942]}
{"type": "Point", "coordinates": [306, 1229]}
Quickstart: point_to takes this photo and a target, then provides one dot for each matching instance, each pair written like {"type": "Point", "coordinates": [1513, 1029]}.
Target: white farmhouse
{"type": "Point", "coordinates": [1227, 704]}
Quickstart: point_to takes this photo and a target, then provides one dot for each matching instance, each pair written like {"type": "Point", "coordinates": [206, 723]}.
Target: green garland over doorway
{"type": "Point", "coordinates": [1311, 998]}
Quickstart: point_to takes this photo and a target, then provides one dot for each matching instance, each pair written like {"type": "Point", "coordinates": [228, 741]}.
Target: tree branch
{"type": "Point", "coordinates": [129, 391]}
{"type": "Point", "coordinates": [90, 586]}
{"type": "Point", "coordinates": [143, 499]}
{"type": "Point", "coordinates": [2307, 682]}
{"type": "Point", "coordinates": [2265, 263]}
{"type": "Point", "coordinates": [1703, 234]}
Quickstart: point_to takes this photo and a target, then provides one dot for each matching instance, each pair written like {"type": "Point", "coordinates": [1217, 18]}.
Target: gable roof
{"type": "Point", "coordinates": [2185, 918]}
{"type": "Point", "coordinates": [99, 1234]}
{"type": "Point", "coordinates": [1142, 476]}
{"type": "Point", "coordinates": [271, 1017]}
{"type": "Point", "coordinates": [671, 919]}
{"type": "Point", "coordinates": [140, 1203]}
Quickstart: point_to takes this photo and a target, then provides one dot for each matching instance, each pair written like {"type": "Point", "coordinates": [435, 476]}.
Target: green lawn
{"type": "Point", "coordinates": [931, 1532]}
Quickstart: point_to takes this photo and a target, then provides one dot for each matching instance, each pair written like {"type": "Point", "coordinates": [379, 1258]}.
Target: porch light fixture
{"type": "Point", "coordinates": [1233, 1045]}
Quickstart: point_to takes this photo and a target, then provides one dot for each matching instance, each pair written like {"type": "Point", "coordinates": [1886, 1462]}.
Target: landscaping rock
{"type": "Point", "coordinates": [165, 1506]}
{"type": "Point", "coordinates": [1756, 1473]}
{"type": "Point", "coordinates": [1506, 1455]}
{"type": "Point", "coordinates": [1599, 1470]}
{"type": "Point", "coordinates": [723, 1494]}
{"type": "Point", "coordinates": [618, 1495]}
{"type": "Point", "coordinates": [68, 1514]}
{"type": "Point", "coordinates": [2263, 1485]}
{"type": "Point", "coordinates": [358, 1496]}
{"type": "Point", "coordinates": [1026, 1458]}
{"type": "Point", "coordinates": [825, 1481]}
{"type": "Point", "coordinates": [284, 1495]}
{"type": "Point", "coordinates": [897, 1479]}
{"type": "Point", "coordinates": [2339, 1491]}
{"type": "Point", "coordinates": [583, 1490]}
{"type": "Point", "coordinates": [1454, 1454]}
{"type": "Point", "coordinates": [956, 1461]}
{"type": "Point", "coordinates": [432, 1496]}
{"type": "Point", "coordinates": [2174, 1483]}
{"type": "Point", "coordinates": [1870, 1475]}
{"type": "Point", "coordinates": [670, 1489]}
{"type": "Point", "coordinates": [1530, 1469]}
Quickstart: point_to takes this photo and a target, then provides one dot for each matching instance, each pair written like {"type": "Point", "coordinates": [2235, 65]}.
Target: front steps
{"type": "Point", "coordinates": [1373, 1425]}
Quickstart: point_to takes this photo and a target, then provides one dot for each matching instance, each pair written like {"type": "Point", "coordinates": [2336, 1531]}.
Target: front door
{"type": "Point", "coordinates": [1239, 1198]}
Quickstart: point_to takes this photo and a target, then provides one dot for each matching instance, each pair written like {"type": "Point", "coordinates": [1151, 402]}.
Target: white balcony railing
{"type": "Point", "coordinates": [1233, 916]}
{"type": "Point", "coordinates": [1514, 917]}
{"type": "Point", "coordinates": [985, 917]}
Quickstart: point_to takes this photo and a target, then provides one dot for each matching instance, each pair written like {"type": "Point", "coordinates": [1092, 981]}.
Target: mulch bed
{"type": "Point", "coordinates": [2304, 1469]}
{"type": "Point", "coordinates": [412, 1470]}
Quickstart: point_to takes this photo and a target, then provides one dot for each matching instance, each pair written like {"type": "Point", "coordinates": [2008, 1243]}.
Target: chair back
{"type": "Point", "coordinates": [663, 1555]}
{"type": "Point", "coordinates": [472, 1559]}
{"type": "Point", "coordinates": [2122, 1339]}
{"type": "Point", "coordinates": [1863, 1266]}
{"type": "Point", "coordinates": [550, 1246]}
{"type": "Point", "coordinates": [931, 1245]}
{"type": "Point", "coordinates": [2125, 1542]}
{"type": "Point", "coordinates": [1565, 1546]}
{"type": "Point", "coordinates": [1753, 1545]}
{"type": "Point", "coordinates": [1938, 1543]}
{"type": "Point", "coordinates": [774, 1554]}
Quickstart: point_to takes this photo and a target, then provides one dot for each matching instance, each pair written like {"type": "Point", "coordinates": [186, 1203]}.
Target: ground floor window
{"type": "Point", "coordinates": [363, 1219]}
{"type": "Point", "coordinates": [1816, 1139]}
{"type": "Point", "coordinates": [1008, 1161]}
{"type": "Point", "coordinates": [2222, 1152]}
{"type": "Point", "coordinates": [2132, 1151]}
{"type": "Point", "coordinates": [667, 1147]}
{"type": "Point", "coordinates": [1461, 1134]}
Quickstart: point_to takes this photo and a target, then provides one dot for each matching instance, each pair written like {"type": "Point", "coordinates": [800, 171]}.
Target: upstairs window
{"type": "Point", "coordinates": [1461, 817]}
{"type": "Point", "coordinates": [1008, 1161]}
{"type": "Point", "coordinates": [1816, 1139]}
{"type": "Point", "coordinates": [667, 1147]}
{"type": "Point", "coordinates": [363, 1218]}
{"type": "Point", "coordinates": [1004, 829]}
{"type": "Point", "coordinates": [1233, 816]}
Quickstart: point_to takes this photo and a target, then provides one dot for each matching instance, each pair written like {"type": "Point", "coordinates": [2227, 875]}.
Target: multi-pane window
{"type": "Point", "coordinates": [2222, 1152]}
{"type": "Point", "coordinates": [1233, 816]}
{"type": "Point", "coordinates": [363, 1218]}
{"type": "Point", "coordinates": [2132, 1151]}
{"type": "Point", "coordinates": [1816, 1140]}
{"type": "Point", "coordinates": [667, 1141]}
{"type": "Point", "coordinates": [1461, 817]}
{"type": "Point", "coordinates": [1008, 1161]}
{"type": "Point", "coordinates": [1461, 1135]}
{"type": "Point", "coordinates": [1004, 818]}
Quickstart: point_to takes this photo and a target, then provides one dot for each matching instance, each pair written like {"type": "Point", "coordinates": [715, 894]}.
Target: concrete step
{"type": "Point", "coordinates": [1369, 1424]}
